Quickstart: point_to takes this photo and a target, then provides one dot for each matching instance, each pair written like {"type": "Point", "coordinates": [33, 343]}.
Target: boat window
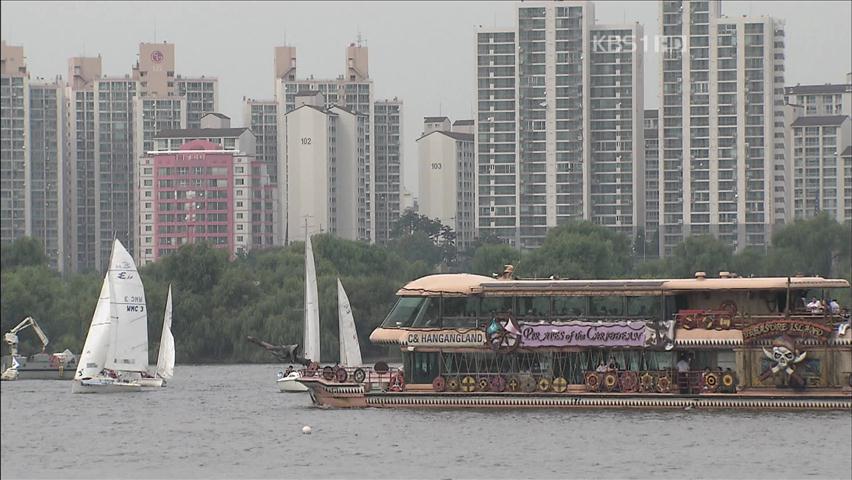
{"type": "Point", "coordinates": [460, 311]}
{"type": "Point", "coordinates": [404, 312]}
{"type": "Point", "coordinates": [570, 306]}
{"type": "Point", "coordinates": [646, 307]}
{"type": "Point", "coordinates": [606, 306]}
{"type": "Point", "coordinates": [430, 314]}
{"type": "Point", "coordinates": [421, 367]}
{"type": "Point", "coordinates": [532, 307]}
{"type": "Point", "coordinates": [493, 305]}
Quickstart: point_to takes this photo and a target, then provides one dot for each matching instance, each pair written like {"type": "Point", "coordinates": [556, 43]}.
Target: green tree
{"type": "Point", "coordinates": [580, 250]}
{"type": "Point", "coordinates": [700, 254]}
{"type": "Point", "coordinates": [23, 252]}
{"type": "Point", "coordinates": [490, 259]}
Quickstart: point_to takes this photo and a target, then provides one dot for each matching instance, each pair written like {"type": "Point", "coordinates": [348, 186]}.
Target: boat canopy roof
{"type": "Point", "coordinates": [464, 284]}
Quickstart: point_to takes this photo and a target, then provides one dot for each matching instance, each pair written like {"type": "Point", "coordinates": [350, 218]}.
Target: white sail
{"type": "Point", "coordinates": [93, 358]}
{"type": "Point", "coordinates": [166, 357]}
{"type": "Point", "coordinates": [128, 350]}
{"type": "Point", "coordinates": [350, 349]}
{"type": "Point", "coordinates": [312, 331]}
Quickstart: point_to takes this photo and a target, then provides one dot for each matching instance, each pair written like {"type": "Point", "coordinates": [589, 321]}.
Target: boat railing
{"type": "Point", "coordinates": [710, 319]}
{"type": "Point", "coordinates": [362, 374]}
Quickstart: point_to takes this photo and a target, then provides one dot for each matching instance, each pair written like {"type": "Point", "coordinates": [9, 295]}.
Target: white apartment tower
{"type": "Point", "coordinates": [325, 151]}
{"type": "Point", "coordinates": [445, 165]}
{"type": "Point", "coordinates": [559, 115]}
{"type": "Point", "coordinates": [33, 181]}
{"type": "Point", "coordinates": [721, 125]}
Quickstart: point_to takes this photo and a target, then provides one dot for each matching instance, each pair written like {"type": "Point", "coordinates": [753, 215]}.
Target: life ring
{"type": "Point", "coordinates": [729, 306]}
{"type": "Point", "coordinates": [513, 384]}
{"type": "Point", "coordinates": [664, 384]}
{"type": "Point", "coordinates": [728, 382]}
{"type": "Point", "coordinates": [312, 369]}
{"type": "Point", "coordinates": [528, 384]}
{"type": "Point", "coordinates": [543, 384]}
{"type": "Point", "coordinates": [453, 384]}
{"type": "Point", "coordinates": [341, 375]}
{"type": "Point", "coordinates": [711, 381]}
{"type": "Point", "coordinates": [497, 384]}
{"type": "Point", "coordinates": [439, 384]}
{"type": "Point", "coordinates": [646, 382]}
{"type": "Point", "coordinates": [359, 375]}
{"type": "Point", "coordinates": [559, 385]}
{"type": "Point", "coordinates": [483, 384]}
{"type": "Point", "coordinates": [328, 373]}
{"type": "Point", "coordinates": [593, 382]}
{"type": "Point", "coordinates": [397, 383]}
{"type": "Point", "coordinates": [629, 381]}
{"type": "Point", "coordinates": [54, 361]}
{"type": "Point", "coordinates": [688, 320]}
{"type": "Point", "coordinates": [468, 384]}
{"type": "Point", "coordinates": [610, 381]}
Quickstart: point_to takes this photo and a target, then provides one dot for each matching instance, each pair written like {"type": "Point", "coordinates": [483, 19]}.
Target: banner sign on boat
{"type": "Point", "coordinates": [584, 334]}
{"type": "Point", "coordinates": [790, 327]}
{"type": "Point", "coordinates": [446, 338]}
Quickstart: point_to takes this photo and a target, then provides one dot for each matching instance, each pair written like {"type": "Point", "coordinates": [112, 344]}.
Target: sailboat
{"type": "Point", "coordinates": [166, 357]}
{"type": "Point", "coordinates": [116, 350]}
{"type": "Point", "coordinates": [288, 382]}
{"type": "Point", "coordinates": [350, 349]}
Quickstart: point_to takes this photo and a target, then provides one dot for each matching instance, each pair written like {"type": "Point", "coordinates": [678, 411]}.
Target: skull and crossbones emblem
{"type": "Point", "coordinates": [785, 355]}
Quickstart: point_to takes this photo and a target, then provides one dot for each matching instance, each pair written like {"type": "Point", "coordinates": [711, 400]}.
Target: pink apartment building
{"type": "Point", "coordinates": [204, 185]}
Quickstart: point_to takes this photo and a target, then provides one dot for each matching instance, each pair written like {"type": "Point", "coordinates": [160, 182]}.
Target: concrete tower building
{"type": "Point", "coordinates": [559, 135]}
{"type": "Point", "coordinates": [721, 125]}
{"type": "Point", "coordinates": [446, 175]}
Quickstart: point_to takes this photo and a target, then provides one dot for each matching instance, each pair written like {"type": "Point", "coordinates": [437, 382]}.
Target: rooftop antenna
{"type": "Point", "coordinates": [359, 37]}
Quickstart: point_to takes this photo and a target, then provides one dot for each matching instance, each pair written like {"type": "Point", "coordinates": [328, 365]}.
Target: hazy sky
{"type": "Point", "coordinates": [421, 52]}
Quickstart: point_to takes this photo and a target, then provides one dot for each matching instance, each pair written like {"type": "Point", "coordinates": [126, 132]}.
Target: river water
{"type": "Point", "coordinates": [231, 422]}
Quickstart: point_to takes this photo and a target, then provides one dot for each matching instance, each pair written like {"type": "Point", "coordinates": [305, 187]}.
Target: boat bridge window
{"type": "Point", "coordinates": [493, 305]}
{"type": "Point", "coordinates": [532, 308]}
{"type": "Point", "coordinates": [570, 307]}
{"type": "Point", "coordinates": [606, 306]}
{"type": "Point", "coordinates": [430, 314]}
{"type": "Point", "coordinates": [646, 307]}
{"type": "Point", "coordinates": [460, 312]}
{"type": "Point", "coordinates": [404, 312]}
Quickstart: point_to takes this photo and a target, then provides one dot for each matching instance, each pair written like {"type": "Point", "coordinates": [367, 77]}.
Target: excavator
{"type": "Point", "coordinates": [54, 363]}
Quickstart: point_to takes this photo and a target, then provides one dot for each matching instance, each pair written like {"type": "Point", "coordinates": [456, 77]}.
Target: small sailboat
{"type": "Point", "coordinates": [166, 357]}
{"type": "Point", "coordinates": [116, 350]}
{"type": "Point", "coordinates": [288, 382]}
{"type": "Point", "coordinates": [350, 348]}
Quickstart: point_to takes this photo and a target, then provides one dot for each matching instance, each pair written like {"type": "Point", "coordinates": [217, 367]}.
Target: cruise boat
{"type": "Point", "coordinates": [710, 343]}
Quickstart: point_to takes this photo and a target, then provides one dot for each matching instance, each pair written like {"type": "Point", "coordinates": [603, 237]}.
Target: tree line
{"type": "Point", "coordinates": [217, 301]}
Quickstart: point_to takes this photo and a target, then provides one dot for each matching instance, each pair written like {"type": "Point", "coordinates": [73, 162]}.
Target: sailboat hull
{"type": "Point", "coordinates": [290, 384]}
{"type": "Point", "coordinates": [95, 385]}
{"type": "Point", "coordinates": [151, 382]}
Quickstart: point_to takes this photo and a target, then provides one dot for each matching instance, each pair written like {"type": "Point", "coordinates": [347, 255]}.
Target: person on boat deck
{"type": "Point", "coordinates": [289, 370]}
{"type": "Point", "coordinates": [814, 306]}
{"type": "Point", "coordinates": [682, 374]}
{"type": "Point", "coordinates": [612, 366]}
{"type": "Point", "coordinates": [601, 367]}
{"type": "Point", "coordinates": [833, 306]}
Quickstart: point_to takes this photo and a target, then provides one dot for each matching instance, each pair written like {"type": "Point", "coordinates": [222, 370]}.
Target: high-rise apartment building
{"type": "Point", "coordinates": [204, 184]}
{"type": "Point", "coordinates": [445, 166]}
{"type": "Point", "coordinates": [721, 124]}
{"type": "Point", "coordinates": [819, 143]}
{"type": "Point", "coordinates": [652, 180]}
{"type": "Point", "coordinates": [325, 153]}
{"type": "Point", "coordinates": [560, 133]}
{"type": "Point", "coordinates": [352, 90]}
{"type": "Point", "coordinates": [821, 176]}
{"type": "Point", "coordinates": [83, 72]}
{"type": "Point", "coordinates": [112, 122]}
{"type": "Point", "coordinates": [14, 144]}
{"type": "Point", "coordinates": [33, 181]}
{"type": "Point", "coordinates": [49, 183]}
{"type": "Point", "coordinates": [260, 117]}
{"type": "Point", "coordinates": [387, 166]}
